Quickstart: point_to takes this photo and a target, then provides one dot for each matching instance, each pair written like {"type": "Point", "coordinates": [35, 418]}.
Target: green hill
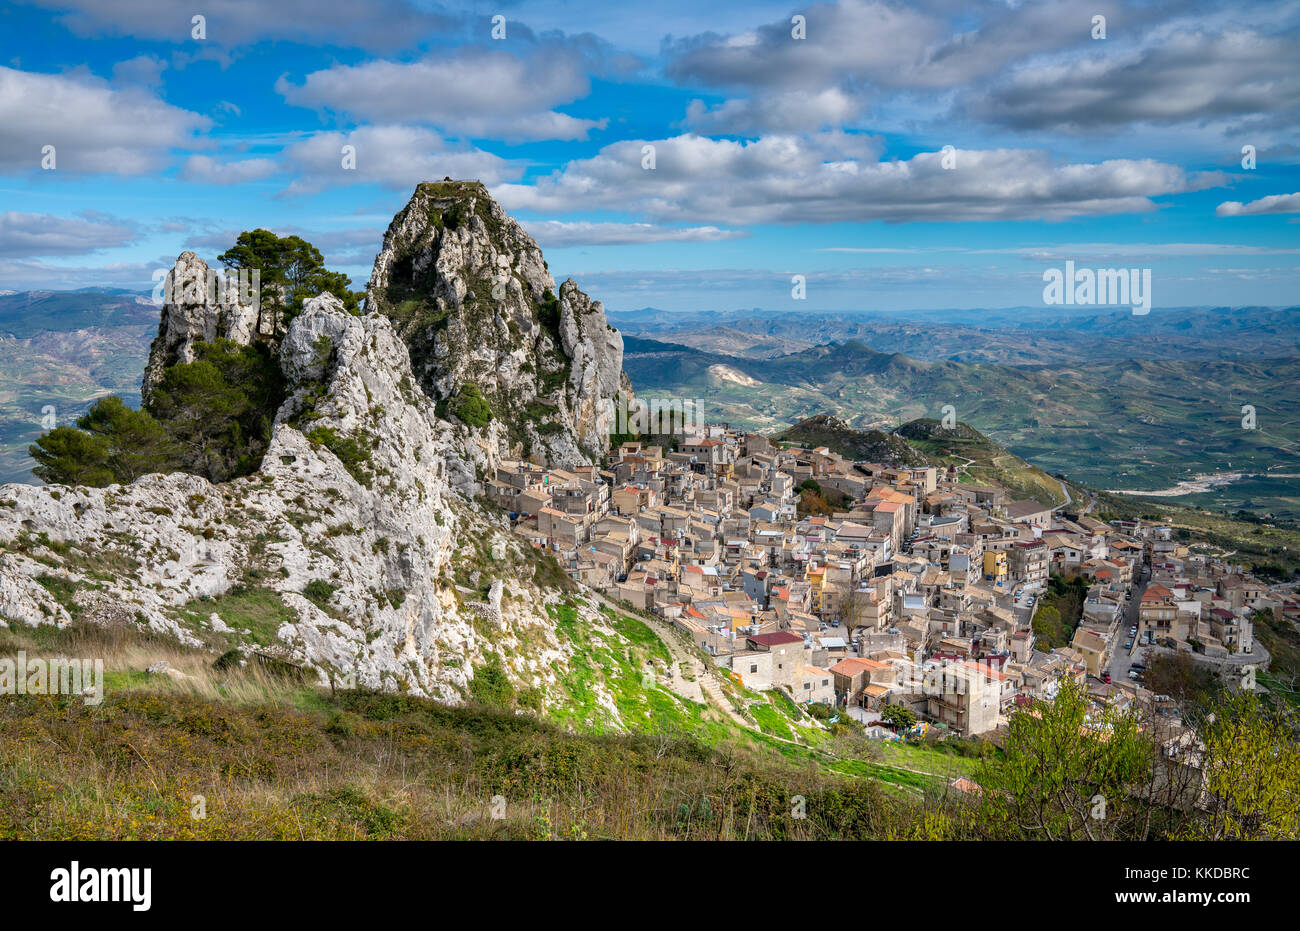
{"type": "Point", "coordinates": [985, 461]}
{"type": "Point", "coordinates": [869, 445]}
{"type": "Point", "coordinates": [1130, 424]}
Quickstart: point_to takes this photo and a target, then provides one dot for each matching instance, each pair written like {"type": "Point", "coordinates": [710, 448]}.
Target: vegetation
{"type": "Point", "coordinates": [471, 407]}
{"type": "Point", "coordinates": [353, 451]}
{"type": "Point", "coordinates": [1069, 772]}
{"type": "Point", "coordinates": [273, 757]}
{"type": "Point", "coordinates": [899, 717]}
{"type": "Point", "coordinates": [291, 270]}
{"type": "Point", "coordinates": [1061, 609]}
{"type": "Point", "coordinates": [839, 437]}
{"type": "Point", "coordinates": [211, 417]}
{"type": "Point", "coordinates": [110, 443]}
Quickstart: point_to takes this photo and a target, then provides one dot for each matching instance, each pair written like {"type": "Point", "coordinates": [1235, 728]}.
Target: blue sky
{"type": "Point", "coordinates": [774, 155]}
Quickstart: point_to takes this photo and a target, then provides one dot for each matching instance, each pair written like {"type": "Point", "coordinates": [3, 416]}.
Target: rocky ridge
{"type": "Point", "coordinates": [471, 295]}
{"type": "Point", "coordinates": [357, 550]}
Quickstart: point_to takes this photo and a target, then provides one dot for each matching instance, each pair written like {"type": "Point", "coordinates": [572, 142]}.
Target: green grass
{"type": "Point", "coordinates": [259, 610]}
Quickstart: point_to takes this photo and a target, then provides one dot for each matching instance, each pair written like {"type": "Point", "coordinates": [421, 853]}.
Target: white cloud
{"type": "Point", "coordinates": [95, 128]}
{"type": "Point", "coordinates": [837, 178]}
{"type": "Point", "coordinates": [40, 234]}
{"type": "Point", "coordinates": [1187, 76]}
{"type": "Point", "coordinates": [797, 111]}
{"type": "Point", "coordinates": [858, 42]}
{"type": "Point", "coordinates": [1274, 203]}
{"type": "Point", "coordinates": [393, 156]}
{"type": "Point", "coordinates": [552, 233]}
{"type": "Point", "coordinates": [377, 25]}
{"type": "Point", "coordinates": [33, 274]}
{"type": "Point", "coordinates": [468, 93]}
{"type": "Point", "coordinates": [205, 169]}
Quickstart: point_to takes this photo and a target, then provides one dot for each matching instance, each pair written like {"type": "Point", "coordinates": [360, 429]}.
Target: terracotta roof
{"type": "Point", "coordinates": [776, 639]}
{"type": "Point", "coordinates": [855, 664]}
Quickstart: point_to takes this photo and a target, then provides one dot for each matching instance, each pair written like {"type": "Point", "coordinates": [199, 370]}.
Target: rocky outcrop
{"type": "Point", "coordinates": [352, 532]}
{"type": "Point", "coordinates": [471, 295]}
{"type": "Point", "coordinates": [199, 305]}
{"type": "Point", "coordinates": [357, 549]}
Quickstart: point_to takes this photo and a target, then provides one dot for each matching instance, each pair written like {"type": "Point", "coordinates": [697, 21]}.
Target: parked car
{"type": "Point", "coordinates": [1105, 677]}
{"type": "Point", "coordinates": [1129, 645]}
{"type": "Point", "coordinates": [1132, 631]}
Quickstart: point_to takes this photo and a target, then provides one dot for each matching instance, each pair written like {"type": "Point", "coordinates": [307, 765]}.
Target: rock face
{"type": "Point", "coordinates": [199, 305]}
{"type": "Point", "coordinates": [357, 550]}
{"type": "Point", "coordinates": [470, 294]}
{"type": "Point", "coordinates": [353, 495]}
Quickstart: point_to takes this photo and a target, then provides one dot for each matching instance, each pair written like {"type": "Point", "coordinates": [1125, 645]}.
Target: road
{"type": "Point", "coordinates": [1122, 659]}
{"type": "Point", "coordinates": [1069, 499]}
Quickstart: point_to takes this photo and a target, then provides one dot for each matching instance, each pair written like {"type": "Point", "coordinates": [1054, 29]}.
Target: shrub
{"type": "Point", "coordinates": [471, 407]}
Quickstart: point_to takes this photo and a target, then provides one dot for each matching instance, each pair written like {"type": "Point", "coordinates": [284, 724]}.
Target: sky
{"type": "Point", "coordinates": [894, 156]}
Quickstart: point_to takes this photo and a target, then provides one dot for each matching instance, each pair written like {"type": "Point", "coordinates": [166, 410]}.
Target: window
{"type": "Point", "coordinates": [753, 667]}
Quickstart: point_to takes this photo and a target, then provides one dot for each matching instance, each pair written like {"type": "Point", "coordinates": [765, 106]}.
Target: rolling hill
{"type": "Point", "coordinates": [1134, 424]}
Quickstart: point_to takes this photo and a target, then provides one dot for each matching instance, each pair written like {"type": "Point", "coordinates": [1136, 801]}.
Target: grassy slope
{"type": "Point", "coordinates": [271, 757]}
{"type": "Point", "coordinates": [990, 463]}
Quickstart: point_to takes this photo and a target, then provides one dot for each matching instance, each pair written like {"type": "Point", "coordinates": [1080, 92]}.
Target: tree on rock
{"type": "Point", "coordinates": [291, 271]}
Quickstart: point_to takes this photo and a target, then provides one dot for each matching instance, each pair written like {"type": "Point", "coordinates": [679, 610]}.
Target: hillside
{"type": "Point", "coordinates": [928, 443]}
{"type": "Point", "coordinates": [355, 545]}
{"type": "Point", "coordinates": [1015, 336]}
{"type": "Point", "coordinates": [59, 350]}
{"type": "Point", "coordinates": [983, 461]}
{"type": "Point", "coordinates": [1118, 424]}
{"type": "Point", "coordinates": [870, 445]}
{"type": "Point", "coordinates": [623, 756]}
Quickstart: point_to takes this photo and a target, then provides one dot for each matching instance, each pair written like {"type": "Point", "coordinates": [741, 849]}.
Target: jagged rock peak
{"type": "Point", "coordinates": [199, 304]}
{"type": "Point", "coordinates": [470, 294]}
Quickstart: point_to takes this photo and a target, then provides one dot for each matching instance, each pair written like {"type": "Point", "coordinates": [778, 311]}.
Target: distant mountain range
{"type": "Point", "coordinates": [1112, 423]}
{"type": "Point", "coordinates": [1018, 336]}
{"type": "Point", "coordinates": [59, 350]}
{"type": "Point", "coordinates": [1106, 397]}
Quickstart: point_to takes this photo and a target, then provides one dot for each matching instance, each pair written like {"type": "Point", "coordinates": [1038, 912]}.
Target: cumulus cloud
{"type": "Point", "coordinates": [1274, 203]}
{"type": "Point", "coordinates": [797, 111]}
{"type": "Point", "coordinates": [94, 127]}
{"type": "Point", "coordinates": [207, 170]}
{"type": "Point", "coordinates": [559, 233]}
{"type": "Point", "coordinates": [835, 178]}
{"type": "Point", "coordinates": [471, 92]}
{"type": "Point", "coordinates": [393, 156]}
{"type": "Point", "coordinates": [41, 234]}
{"type": "Point", "coordinates": [884, 44]}
{"type": "Point", "coordinates": [379, 25]}
{"type": "Point", "coordinates": [1187, 76]}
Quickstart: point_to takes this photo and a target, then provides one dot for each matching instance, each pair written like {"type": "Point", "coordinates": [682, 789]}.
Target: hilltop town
{"type": "Point", "coordinates": [919, 589]}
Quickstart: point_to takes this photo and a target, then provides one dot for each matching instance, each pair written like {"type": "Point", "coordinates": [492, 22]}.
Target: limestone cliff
{"type": "Point", "coordinates": [357, 550]}
{"type": "Point", "coordinates": [471, 295]}
{"type": "Point", "coordinates": [198, 306]}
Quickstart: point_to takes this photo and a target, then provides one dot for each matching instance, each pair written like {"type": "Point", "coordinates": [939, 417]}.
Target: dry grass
{"type": "Point", "coordinates": [270, 758]}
